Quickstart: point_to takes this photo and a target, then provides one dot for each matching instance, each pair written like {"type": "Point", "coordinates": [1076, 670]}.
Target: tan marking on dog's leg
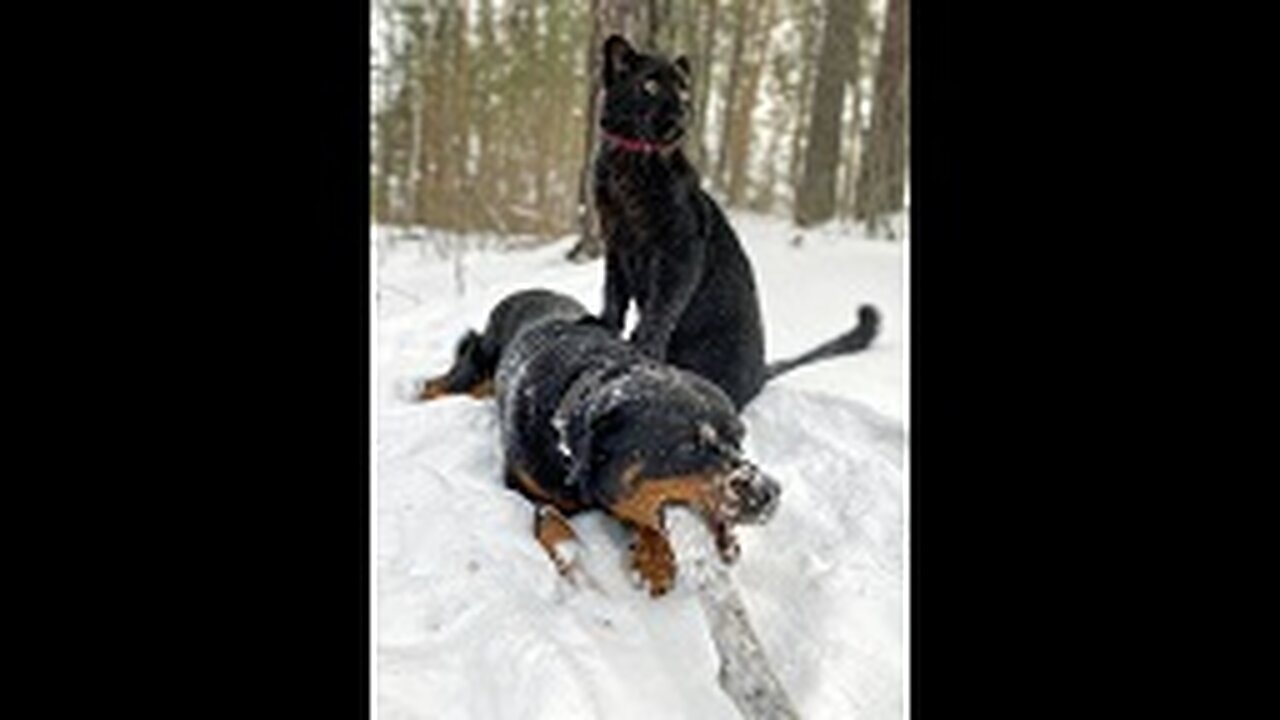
{"type": "Point", "coordinates": [482, 389]}
{"type": "Point", "coordinates": [551, 528]}
{"type": "Point", "coordinates": [653, 557]}
{"type": "Point", "coordinates": [434, 388]}
{"type": "Point", "coordinates": [529, 485]}
{"type": "Point", "coordinates": [534, 491]}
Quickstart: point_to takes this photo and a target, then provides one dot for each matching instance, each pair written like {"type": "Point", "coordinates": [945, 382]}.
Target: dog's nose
{"type": "Point", "coordinates": [760, 496]}
{"type": "Point", "coordinates": [771, 495]}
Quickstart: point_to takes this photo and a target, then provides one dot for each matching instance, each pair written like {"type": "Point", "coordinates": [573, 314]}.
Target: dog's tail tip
{"type": "Point", "coordinates": [869, 318]}
{"type": "Point", "coordinates": [869, 314]}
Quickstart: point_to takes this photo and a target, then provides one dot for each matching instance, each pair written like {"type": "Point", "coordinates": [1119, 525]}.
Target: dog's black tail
{"type": "Point", "coordinates": [856, 339]}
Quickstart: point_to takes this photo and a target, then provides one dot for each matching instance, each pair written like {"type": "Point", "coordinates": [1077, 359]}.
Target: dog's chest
{"type": "Point", "coordinates": [645, 194]}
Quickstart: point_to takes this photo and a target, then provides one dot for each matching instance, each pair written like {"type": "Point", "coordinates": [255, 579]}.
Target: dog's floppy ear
{"type": "Point", "coordinates": [581, 460]}
{"type": "Point", "coordinates": [619, 59]}
{"type": "Point", "coordinates": [584, 444]}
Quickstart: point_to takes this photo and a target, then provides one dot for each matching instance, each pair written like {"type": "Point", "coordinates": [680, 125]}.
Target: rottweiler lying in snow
{"type": "Point", "coordinates": [590, 422]}
{"type": "Point", "coordinates": [669, 247]}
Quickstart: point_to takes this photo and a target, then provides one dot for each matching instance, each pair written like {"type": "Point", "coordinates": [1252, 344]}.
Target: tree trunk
{"type": "Point", "coordinates": [607, 17]}
{"type": "Point", "coordinates": [740, 150]}
{"type": "Point", "coordinates": [702, 86]}
{"type": "Point", "coordinates": [413, 189]}
{"type": "Point", "coordinates": [837, 61]}
{"type": "Point", "coordinates": [460, 141]}
{"type": "Point", "coordinates": [731, 92]}
{"type": "Point", "coordinates": [849, 171]}
{"type": "Point", "coordinates": [804, 95]}
{"type": "Point", "coordinates": [484, 186]}
{"type": "Point", "coordinates": [881, 183]}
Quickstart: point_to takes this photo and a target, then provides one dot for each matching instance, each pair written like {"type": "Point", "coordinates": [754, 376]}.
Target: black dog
{"type": "Point", "coordinates": [476, 357]}
{"type": "Point", "coordinates": [668, 245]}
{"type": "Point", "coordinates": [589, 422]}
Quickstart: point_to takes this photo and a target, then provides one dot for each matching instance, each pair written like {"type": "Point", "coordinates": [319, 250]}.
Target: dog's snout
{"type": "Point", "coordinates": [757, 493]}
{"type": "Point", "coordinates": [770, 495]}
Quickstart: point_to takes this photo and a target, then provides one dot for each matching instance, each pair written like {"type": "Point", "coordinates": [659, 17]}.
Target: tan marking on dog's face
{"type": "Point", "coordinates": [646, 496]}
{"type": "Point", "coordinates": [482, 389]}
{"type": "Point", "coordinates": [434, 389]}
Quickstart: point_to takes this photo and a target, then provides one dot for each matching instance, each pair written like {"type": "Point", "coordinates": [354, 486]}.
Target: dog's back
{"type": "Point", "coordinates": [720, 335]}
{"type": "Point", "coordinates": [533, 377]}
{"type": "Point", "coordinates": [523, 310]}
{"type": "Point", "coordinates": [476, 358]}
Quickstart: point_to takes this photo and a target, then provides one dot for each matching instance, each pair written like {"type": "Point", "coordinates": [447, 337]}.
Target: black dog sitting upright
{"type": "Point", "coordinates": [668, 245]}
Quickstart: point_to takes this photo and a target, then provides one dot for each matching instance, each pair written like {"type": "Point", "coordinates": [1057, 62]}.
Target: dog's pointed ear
{"type": "Point", "coordinates": [619, 59]}
{"type": "Point", "coordinates": [682, 64]}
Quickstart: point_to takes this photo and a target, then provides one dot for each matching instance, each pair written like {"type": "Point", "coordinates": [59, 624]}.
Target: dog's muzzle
{"type": "Point", "coordinates": [749, 496]}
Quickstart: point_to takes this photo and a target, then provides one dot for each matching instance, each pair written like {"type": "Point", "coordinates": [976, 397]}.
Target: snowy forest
{"type": "Point", "coordinates": [484, 114]}
{"type": "Point", "coordinates": [484, 128]}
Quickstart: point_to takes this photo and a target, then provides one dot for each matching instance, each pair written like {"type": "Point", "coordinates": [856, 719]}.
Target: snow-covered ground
{"type": "Point", "coordinates": [472, 619]}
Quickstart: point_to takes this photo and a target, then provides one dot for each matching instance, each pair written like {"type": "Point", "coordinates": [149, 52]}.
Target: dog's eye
{"type": "Point", "coordinates": [650, 86]}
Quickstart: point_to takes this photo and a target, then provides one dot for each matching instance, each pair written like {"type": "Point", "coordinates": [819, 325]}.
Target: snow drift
{"type": "Point", "coordinates": [472, 620]}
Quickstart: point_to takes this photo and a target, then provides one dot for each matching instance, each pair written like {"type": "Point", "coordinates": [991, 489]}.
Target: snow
{"type": "Point", "coordinates": [472, 621]}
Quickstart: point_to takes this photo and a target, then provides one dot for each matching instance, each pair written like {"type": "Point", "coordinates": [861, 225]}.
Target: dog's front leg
{"type": "Point", "coordinates": [616, 297]}
{"type": "Point", "coordinates": [653, 558]}
{"type": "Point", "coordinates": [555, 534]}
{"type": "Point", "coordinates": [672, 282]}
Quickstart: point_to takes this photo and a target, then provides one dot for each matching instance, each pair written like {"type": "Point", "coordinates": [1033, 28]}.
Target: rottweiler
{"type": "Point", "coordinates": [475, 359]}
{"type": "Point", "coordinates": [590, 422]}
{"type": "Point", "coordinates": [669, 247]}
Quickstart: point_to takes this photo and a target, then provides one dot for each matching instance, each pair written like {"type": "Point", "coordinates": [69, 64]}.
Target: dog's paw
{"type": "Point", "coordinates": [565, 556]}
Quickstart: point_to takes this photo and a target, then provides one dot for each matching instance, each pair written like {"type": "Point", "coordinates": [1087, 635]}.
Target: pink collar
{"type": "Point", "coordinates": [636, 145]}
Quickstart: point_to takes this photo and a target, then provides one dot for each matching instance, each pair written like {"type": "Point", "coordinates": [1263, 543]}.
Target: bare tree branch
{"type": "Point", "coordinates": [746, 675]}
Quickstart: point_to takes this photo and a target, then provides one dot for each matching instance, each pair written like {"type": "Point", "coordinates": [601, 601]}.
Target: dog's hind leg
{"type": "Point", "coordinates": [482, 389]}
{"type": "Point", "coordinates": [433, 388]}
